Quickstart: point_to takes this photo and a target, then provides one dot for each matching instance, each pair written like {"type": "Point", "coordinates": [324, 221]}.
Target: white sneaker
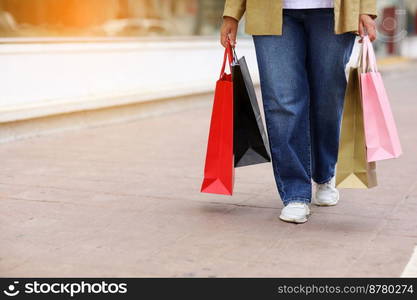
{"type": "Point", "coordinates": [326, 194]}
{"type": "Point", "coordinates": [295, 212]}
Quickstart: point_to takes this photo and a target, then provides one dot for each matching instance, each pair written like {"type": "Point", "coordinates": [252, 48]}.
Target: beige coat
{"type": "Point", "coordinates": [264, 17]}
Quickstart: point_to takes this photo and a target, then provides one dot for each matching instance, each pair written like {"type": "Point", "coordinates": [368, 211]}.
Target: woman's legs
{"type": "Point", "coordinates": [303, 85]}
{"type": "Point", "coordinates": [285, 93]}
{"type": "Point", "coordinates": [327, 56]}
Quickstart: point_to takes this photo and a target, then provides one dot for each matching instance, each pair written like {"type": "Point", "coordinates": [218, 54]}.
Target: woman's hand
{"type": "Point", "coordinates": [367, 26]}
{"type": "Point", "coordinates": [228, 31]}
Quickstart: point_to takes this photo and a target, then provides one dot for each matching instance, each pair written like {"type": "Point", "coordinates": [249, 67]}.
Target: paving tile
{"type": "Point", "coordinates": [124, 200]}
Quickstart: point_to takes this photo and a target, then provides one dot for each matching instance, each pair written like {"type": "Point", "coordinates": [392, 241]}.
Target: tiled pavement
{"type": "Point", "coordinates": [123, 200]}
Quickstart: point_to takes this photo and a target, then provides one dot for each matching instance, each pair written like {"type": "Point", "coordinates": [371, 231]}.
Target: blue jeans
{"type": "Point", "coordinates": [303, 85]}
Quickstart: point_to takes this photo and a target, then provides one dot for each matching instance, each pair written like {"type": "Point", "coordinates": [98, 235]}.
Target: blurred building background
{"type": "Point", "coordinates": [123, 18]}
{"type": "Point", "coordinates": [397, 27]}
{"type": "Point", "coordinates": [62, 57]}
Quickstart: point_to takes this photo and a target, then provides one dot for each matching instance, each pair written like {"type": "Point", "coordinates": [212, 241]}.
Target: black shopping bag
{"type": "Point", "coordinates": [250, 142]}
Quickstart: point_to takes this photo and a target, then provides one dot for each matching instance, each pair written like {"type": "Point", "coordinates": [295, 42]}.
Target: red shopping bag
{"type": "Point", "coordinates": [219, 170]}
{"type": "Point", "coordinates": [382, 141]}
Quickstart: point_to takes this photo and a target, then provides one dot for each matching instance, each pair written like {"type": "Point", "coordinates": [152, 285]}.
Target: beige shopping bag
{"type": "Point", "coordinates": [353, 170]}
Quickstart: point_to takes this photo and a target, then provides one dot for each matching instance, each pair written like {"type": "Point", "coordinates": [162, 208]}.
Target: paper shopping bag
{"type": "Point", "coordinates": [352, 169]}
{"type": "Point", "coordinates": [381, 134]}
{"type": "Point", "coordinates": [219, 170]}
{"type": "Point", "coordinates": [250, 142]}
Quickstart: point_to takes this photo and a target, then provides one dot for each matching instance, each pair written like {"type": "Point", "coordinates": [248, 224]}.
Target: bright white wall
{"type": "Point", "coordinates": [48, 78]}
{"type": "Point", "coordinates": [409, 47]}
{"type": "Point", "coordinates": [39, 79]}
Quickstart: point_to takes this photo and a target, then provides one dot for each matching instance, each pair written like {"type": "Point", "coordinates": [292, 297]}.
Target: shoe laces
{"type": "Point", "coordinates": [297, 204]}
{"type": "Point", "coordinates": [325, 185]}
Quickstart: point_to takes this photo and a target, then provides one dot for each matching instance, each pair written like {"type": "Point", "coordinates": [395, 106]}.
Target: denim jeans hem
{"type": "Point", "coordinates": [323, 181]}
{"type": "Point", "coordinates": [303, 200]}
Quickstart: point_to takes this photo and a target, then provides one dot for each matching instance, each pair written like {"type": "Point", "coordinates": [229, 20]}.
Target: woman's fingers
{"type": "Point", "coordinates": [232, 38]}
{"type": "Point", "coordinates": [228, 31]}
{"type": "Point", "coordinates": [223, 38]}
{"type": "Point", "coordinates": [361, 31]}
{"type": "Point", "coordinates": [371, 30]}
{"type": "Point", "coordinates": [367, 27]}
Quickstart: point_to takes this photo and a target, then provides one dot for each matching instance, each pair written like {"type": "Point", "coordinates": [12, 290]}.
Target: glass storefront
{"type": "Point", "coordinates": [161, 18]}
{"type": "Point", "coordinates": [397, 17]}
{"type": "Point", "coordinates": [109, 18]}
{"type": "Point", "coordinates": [397, 21]}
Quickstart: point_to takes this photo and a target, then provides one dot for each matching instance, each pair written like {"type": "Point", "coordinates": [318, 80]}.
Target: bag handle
{"type": "Point", "coordinates": [228, 55]}
{"type": "Point", "coordinates": [368, 56]}
{"type": "Point", "coordinates": [235, 61]}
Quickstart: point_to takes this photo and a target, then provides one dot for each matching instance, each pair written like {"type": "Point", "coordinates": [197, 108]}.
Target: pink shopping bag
{"type": "Point", "coordinates": [381, 136]}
